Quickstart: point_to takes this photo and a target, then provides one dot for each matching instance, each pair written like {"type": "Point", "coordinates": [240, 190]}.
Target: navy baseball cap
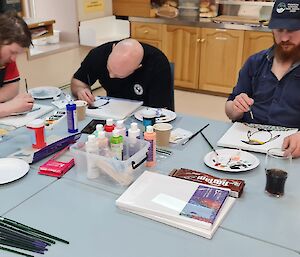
{"type": "Point", "coordinates": [285, 15]}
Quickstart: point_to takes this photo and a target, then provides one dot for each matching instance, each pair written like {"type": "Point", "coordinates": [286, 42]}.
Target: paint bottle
{"type": "Point", "coordinates": [134, 130]}
{"type": "Point", "coordinates": [133, 135]}
{"type": "Point", "coordinates": [121, 128]}
{"type": "Point", "coordinates": [149, 116]}
{"type": "Point", "coordinates": [109, 127]}
{"type": "Point", "coordinates": [72, 117]}
{"type": "Point", "coordinates": [91, 148]}
{"type": "Point", "coordinates": [99, 128]}
{"type": "Point", "coordinates": [38, 133]}
{"type": "Point", "coordinates": [102, 142]}
{"type": "Point", "coordinates": [116, 144]}
{"type": "Point", "coordinates": [150, 136]}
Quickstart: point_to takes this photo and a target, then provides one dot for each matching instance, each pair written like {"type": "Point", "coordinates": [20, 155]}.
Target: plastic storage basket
{"type": "Point", "coordinates": [110, 170]}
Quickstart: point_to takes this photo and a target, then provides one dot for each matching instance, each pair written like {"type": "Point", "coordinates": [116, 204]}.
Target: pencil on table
{"type": "Point", "coordinates": [14, 251]}
{"type": "Point", "coordinates": [27, 233]}
{"type": "Point", "coordinates": [30, 229]}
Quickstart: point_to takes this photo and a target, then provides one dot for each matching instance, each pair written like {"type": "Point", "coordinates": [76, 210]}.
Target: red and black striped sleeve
{"type": "Point", "coordinates": [11, 73]}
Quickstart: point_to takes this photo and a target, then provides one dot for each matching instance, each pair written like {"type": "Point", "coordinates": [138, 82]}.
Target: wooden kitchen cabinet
{"type": "Point", "coordinates": [150, 33]}
{"type": "Point", "coordinates": [256, 41]}
{"type": "Point", "coordinates": [138, 8]}
{"type": "Point", "coordinates": [221, 59]}
{"type": "Point", "coordinates": [206, 59]}
{"type": "Point", "coordinates": [180, 44]}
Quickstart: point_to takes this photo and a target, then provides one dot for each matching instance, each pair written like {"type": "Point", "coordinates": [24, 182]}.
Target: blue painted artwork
{"type": "Point", "coordinates": [205, 204]}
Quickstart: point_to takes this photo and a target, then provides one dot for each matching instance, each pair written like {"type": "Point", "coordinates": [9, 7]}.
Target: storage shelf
{"type": "Point", "coordinates": [256, 3]}
{"type": "Point", "coordinates": [40, 28]}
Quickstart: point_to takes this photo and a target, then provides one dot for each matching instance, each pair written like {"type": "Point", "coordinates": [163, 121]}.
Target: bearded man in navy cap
{"type": "Point", "coordinates": [269, 82]}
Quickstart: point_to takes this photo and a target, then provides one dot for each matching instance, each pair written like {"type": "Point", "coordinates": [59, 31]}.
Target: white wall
{"type": "Point", "coordinates": [88, 15]}
{"type": "Point", "coordinates": [64, 12]}
{"type": "Point", "coordinates": [51, 70]}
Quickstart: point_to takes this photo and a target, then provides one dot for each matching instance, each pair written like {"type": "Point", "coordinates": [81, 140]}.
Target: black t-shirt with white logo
{"type": "Point", "coordinates": [150, 83]}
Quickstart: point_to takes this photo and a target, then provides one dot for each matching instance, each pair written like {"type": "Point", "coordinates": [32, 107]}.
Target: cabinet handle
{"type": "Point", "coordinates": [200, 40]}
{"type": "Point", "coordinates": [221, 38]}
{"type": "Point", "coordinates": [146, 31]}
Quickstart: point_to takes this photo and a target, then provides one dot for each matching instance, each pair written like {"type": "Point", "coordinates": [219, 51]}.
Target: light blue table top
{"type": "Point", "coordinates": [14, 193]}
{"type": "Point", "coordinates": [88, 218]}
{"type": "Point", "coordinates": [255, 214]}
{"type": "Point", "coordinates": [257, 225]}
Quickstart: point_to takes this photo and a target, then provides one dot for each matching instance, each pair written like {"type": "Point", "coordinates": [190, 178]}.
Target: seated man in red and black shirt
{"type": "Point", "coordinates": [15, 37]}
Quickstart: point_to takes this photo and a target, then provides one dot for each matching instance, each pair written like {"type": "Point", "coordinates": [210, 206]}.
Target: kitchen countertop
{"type": "Point", "coordinates": [201, 22]}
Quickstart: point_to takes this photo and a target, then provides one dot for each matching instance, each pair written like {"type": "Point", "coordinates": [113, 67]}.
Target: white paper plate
{"type": "Point", "coordinates": [163, 115]}
{"type": "Point", "coordinates": [12, 169]}
{"type": "Point", "coordinates": [231, 160]}
{"type": "Point", "coordinates": [44, 92]}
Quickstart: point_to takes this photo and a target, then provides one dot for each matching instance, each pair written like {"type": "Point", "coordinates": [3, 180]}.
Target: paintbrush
{"type": "Point", "coordinates": [209, 144]}
{"type": "Point", "coordinates": [195, 134]}
{"type": "Point", "coordinates": [251, 114]}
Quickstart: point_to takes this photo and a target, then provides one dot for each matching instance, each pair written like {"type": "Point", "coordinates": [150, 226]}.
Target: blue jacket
{"type": "Point", "coordinates": [276, 102]}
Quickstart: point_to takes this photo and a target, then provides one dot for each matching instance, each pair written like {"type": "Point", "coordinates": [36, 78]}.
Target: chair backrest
{"type": "Point", "coordinates": [172, 87]}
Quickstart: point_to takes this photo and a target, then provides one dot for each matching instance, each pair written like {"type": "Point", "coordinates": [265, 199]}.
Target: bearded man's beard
{"type": "Point", "coordinates": [291, 54]}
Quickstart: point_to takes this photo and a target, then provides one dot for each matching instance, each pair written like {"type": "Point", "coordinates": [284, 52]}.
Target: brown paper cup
{"type": "Point", "coordinates": [163, 132]}
{"type": "Point", "coordinates": [80, 109]}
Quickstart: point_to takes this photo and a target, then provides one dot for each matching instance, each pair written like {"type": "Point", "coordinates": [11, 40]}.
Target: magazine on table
{"type": "Point", "coordinates": [205, 204]}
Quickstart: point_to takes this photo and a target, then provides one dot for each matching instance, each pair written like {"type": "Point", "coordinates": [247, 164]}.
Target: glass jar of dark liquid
{"type": "Point", "coordinates": [277, 167]}
{"type": "Point", "coordinates": [275, 181]}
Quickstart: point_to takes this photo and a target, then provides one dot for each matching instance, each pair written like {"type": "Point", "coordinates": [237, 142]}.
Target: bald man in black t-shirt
{"type": "Point", "coordinates": [126, 69]}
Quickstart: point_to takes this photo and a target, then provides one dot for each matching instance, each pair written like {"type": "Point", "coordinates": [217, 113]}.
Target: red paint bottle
{"type": "Point", "coordinates": [38, 133]}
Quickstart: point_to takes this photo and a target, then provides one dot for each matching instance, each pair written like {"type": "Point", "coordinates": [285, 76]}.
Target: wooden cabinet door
{"type": "Point", "coordinates": [221, 58]}
{"type": "Point", "coordinates": [154, 43]}
{"type": "Point", "coordinates": [180, 44]}
{"type": "Point", "coordinates": [256, 41]}
{"type": "Point", "coordinates": [150, 33]}
{"type": "Point", "coordinates": [140, 8]}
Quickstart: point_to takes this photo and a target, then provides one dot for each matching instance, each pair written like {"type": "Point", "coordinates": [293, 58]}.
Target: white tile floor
{"type": "Point", "coordinates": [195, 104]}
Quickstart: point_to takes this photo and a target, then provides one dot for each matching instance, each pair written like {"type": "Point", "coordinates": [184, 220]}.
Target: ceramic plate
{"type": "Point", "coordinates": [12, 169]}
{"type": "Point", "coordinates": [162, 115]}
{"type": "Point", "coordinates": [44, 92]}
{"type": "Point", "coordinates": [231, 160]}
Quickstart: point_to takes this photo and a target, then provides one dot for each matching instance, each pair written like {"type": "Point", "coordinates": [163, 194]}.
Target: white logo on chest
{"type": "Point", "coordinates": [138, 89]}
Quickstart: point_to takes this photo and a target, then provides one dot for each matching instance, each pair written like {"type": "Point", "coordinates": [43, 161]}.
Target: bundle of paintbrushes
{"type": "Point", "coordinates": [164, 151]}
{"type": "Point", "coordinates": [20, 236]}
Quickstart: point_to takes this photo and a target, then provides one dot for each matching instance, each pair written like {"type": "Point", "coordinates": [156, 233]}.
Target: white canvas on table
{"type": "Point", "coordinates": [114, 108]}
{"type": "Point", "coordinates": [254, 137]}
{"type": "Point", "coordinates": [162, 198]}
{"type": "Point", "coordinates": [21, 120]}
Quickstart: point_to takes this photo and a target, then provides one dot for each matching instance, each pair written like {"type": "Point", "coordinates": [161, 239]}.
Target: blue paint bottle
{"type": "Point", "coordinates": [72, 117]}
